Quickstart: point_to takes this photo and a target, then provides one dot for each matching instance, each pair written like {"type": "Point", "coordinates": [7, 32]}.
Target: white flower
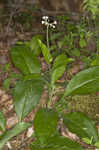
{"type": "Point", "coordinates": [45, 17]}
{"type": "Point", "coordinates": [46, 22]}
{"type": "Point", "coordinates": [53, 26]}
{"type": "Point", "coordinates": [55, 22]}
{"type": "Point", "coordinates": [43, 22]}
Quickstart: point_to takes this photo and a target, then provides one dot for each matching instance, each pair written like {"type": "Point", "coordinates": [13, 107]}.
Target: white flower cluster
{"type": "Point", "coordinates": [46, 22]}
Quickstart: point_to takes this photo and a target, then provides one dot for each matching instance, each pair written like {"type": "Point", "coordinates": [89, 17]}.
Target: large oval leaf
{"type": "Point", "coordinates": [45, 123]}
{"type": "Point", "coordinates": [20, 127]}
{"type": "Point", "coordinates": [85, 82]}
{"type": "Point", "coordinates": [24, 59]}
{"type": "Point", "coordinates": [81, 125]}
{"type": "Point", "coordinates": [64, 143]}
{"type": "Point", "coordinates": [57, 143]}
{"type": "Point", "coordinates": [26, 96]}
{"type": "Point", "coordinates": [2, 122]}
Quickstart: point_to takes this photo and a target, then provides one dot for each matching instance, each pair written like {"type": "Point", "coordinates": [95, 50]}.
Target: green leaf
{"type": "Point", "coordinates": [36, 145]}
{"type": "Point", "coordinates": [6, 84]}
{"type": "Point", "coordinates": [24, 59]}
{"type": "Point", "coordinates": [7, 67]}
{"type": "Point", "coordinates": [34, 45]}
{"type": "Point", "coordinates": [56, 143]}
{"type": "Point", "coordinates": [95, 62]}
{"type": "Point", "coordinates": [33, 76]}
{"type": "Point", "coordinates": [87, 140]}
{"type": "Point", "coordinates": [45, 123]}
{"type": "Point", "coordinates": [45, 52]}
{"type": "Point", "coordinates": [2, 122]}
{"type": "Point", "coordinates": [97, 144]}
{"type": "Point", "coordinates": [15, 75]}
{"type": "Point", "coordinates": [26, 96]}
{"type": "Point", "coordinates": [20, 127]}
{"type": "Point", "coordinates": [85, 82]}
{"type": "Point", "coordinates": [64, 143]}
{"type": "Point", "coordinates": [60, 61]}
{"type": "Point", "coordinates": [57, 73]}
{"type": "Point", "coordinates": [81, 125]}
{"type": "Point", "coordinates": [58, 67]}
{"type": "Point", "coordinates": [82, 43]}
{"type": "Point", "coordinates": [75, 52]}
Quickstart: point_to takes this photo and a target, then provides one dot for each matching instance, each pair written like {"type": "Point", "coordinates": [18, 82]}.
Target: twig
{"type": "Point", "coordinates": [11, 16]}
{"type": "Point", "coordinates": [23, 144]}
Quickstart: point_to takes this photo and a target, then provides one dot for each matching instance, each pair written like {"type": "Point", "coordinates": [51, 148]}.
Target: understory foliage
{"type": "Point", "coordinates": [33, 81]}
{"type": "Point", "coordinates": [92, 6]}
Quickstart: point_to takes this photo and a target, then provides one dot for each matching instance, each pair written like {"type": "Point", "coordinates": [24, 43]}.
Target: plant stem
{"type": "Point", "coordinates": [51, 91]}
{"type": "Point", "coordinates": [47, 38]}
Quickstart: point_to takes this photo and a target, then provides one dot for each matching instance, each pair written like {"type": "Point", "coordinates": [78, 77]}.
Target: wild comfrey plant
{"type": "Point", "coordinates": [28, 91]}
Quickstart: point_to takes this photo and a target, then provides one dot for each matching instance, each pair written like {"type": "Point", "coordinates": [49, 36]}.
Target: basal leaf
{"type": "Point", "coordinates": [56, 143]}
{"type": "Point", "coordinates": [2, 122]}
{"type": "Point", "coordinates": [20, 127]}
{"type": "Point", "coordinates": [45, 52]}
{"type": "Point", "coordinates": [45, 123]}
{"type": "Point", "coordinates": [24, 59]}
{"type": "Point", "coordinates": [64, 143]}
{"type": "Point", "coordinates": [81, 125]}
{"type": "Point", "coordinates": [26, 96]}
{"type": "Point", "coordinates": [85, 82]}
{"type": "Point", "coordinates": [36, 145]}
